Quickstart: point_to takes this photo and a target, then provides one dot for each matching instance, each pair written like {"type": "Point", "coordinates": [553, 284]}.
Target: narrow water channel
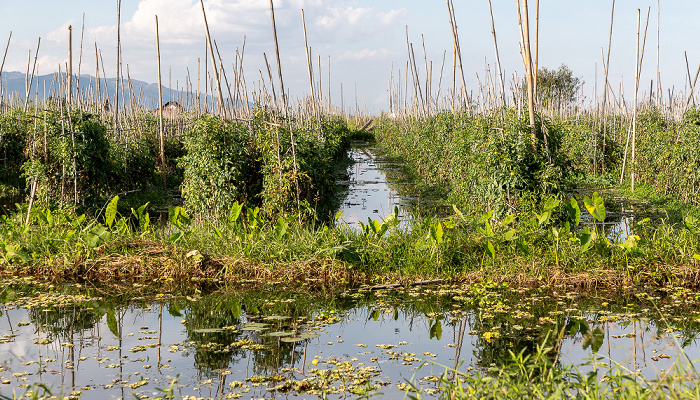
{"type": "Point", "coordinates": [376, 185]}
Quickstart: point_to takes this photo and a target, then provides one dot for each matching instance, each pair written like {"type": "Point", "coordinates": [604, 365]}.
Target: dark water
{"type": "Point", "coordinates": [348, 344]}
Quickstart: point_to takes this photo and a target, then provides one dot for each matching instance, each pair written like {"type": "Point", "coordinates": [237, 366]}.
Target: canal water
{"type": "Point", "coordinates": [270, 344]}
{"type": "Point", "coordinates": [377, 185]}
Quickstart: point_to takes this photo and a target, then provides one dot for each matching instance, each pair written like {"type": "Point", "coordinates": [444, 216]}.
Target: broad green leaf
{"type": "Point", "coordinates": [97, 235]}
{"type": "Point", "coordinates": [458, 213]}
{"type": "Point", "coordinates": [690, 224]}
{"type": "Point", "coordinates": [122, 226]}
{"type": "Point", "coordinates": [510, 235]}
{"type": "Point", "coordinates": [338, 215]}
{"type": "Point", "coordinates": [630, 243]}
{"type": "Point", "coordinates": [487, 231]}
{"type": "Point", "coordinates": [111, 211]}
{"type": "Point", "coordinates": [281, 228]}
{"type": "Point", "coordinates": [176, 237]}
{"type": "Point", "coordinates": [436, 233]}
{"type": "Point", "coordinates": [509, 218]}
{"type": "Point", "coordinates": [696, 256]}
{"type": "Point", "coordinates": [485, 217]}
{"type": "Point", "coordinates": [235, 213]}
{"type": "Point", "coordinates": [523, 247]}
{"type": "Point", "coordinates": [544, 217]}
{"type": "Point", "coordinates": [112, 323]}
{"type": "Point", "coordinates": [217, 233]}
{"type": "Point", "coordinates": [49, 218]}
{"type": "Point", "coordinates": [586, 238]}
{"type": "Point", "coordinates": [490, 250]}
{"type": "Point", "coordinates": [574, 211]}
{"type": "Point", "coordinates": [595, 207]}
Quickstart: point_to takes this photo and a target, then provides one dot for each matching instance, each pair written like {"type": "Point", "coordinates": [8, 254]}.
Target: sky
{"type": "Point", "coordinates": [364, 40]}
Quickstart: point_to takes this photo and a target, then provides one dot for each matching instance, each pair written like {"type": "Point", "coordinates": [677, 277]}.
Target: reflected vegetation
{"type": "Point", "coordinates": [229, 345]}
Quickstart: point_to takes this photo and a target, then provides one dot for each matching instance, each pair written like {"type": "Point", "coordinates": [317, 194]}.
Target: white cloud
{"type": "Point", "coordinates": [365, 54]}
{"type": "Point", "coordinates": [390, 17]}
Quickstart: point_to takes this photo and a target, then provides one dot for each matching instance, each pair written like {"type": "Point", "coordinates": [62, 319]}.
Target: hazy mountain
{"type": "Point", "coordinates": [14, 86]}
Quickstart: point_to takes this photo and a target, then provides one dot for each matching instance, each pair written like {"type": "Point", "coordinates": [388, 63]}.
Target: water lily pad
{"type": "Point", "coordinates": [276, 318]}
{"type": "Point", "coordinates": [298, 338]}
{"type": "Point", "coordinates": [209, 330]}
{"type": "Point", "coordinates": [254, 326]}
{"type": "Point", "coordinates": [280, 334]}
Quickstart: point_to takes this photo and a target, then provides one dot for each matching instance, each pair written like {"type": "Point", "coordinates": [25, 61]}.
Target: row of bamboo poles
{"type": "Point", "coordinates": [226, 91]}
{"type": "Point", "coordinates": [412, 94]}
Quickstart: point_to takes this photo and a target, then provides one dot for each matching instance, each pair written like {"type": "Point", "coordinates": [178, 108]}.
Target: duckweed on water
{"type": "Point", "coordinates": [429, 341]}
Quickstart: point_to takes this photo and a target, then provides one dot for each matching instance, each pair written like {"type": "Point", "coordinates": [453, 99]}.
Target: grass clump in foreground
{"type": "Point", "coordinates": [548, 246]}
{"type": "Point", "coordinates": [538, 376]}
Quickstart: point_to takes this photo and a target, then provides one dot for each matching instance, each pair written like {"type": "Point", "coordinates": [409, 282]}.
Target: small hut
{"type": "Point", "coordinates": [171, 109]}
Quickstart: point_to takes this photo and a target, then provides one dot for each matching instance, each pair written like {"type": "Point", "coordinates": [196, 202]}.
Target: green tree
{"type": "Point", "coordinates": [557, 88]}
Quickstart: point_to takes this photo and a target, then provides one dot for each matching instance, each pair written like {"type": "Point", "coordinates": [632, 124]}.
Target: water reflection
{"type": "Point", "coordinates": [269, 343]}
{"type": "Point", "coordinates": [378, 184]}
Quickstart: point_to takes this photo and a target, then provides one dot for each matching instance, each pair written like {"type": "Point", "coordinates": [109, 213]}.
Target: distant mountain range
{"type": "Point", "coordinates": [46, 86]}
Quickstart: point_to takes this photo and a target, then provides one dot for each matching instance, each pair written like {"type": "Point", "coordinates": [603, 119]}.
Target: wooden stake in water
{"type": "Point", "coordinates": [160, 109]}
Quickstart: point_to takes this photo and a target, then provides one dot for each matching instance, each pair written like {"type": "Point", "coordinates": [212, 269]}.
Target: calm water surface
{"type": "Point", "coordinates": [274, 344]}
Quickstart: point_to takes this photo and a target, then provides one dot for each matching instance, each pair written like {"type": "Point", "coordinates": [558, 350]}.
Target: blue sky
{"type": "Point", "coordinates": [363, 39]}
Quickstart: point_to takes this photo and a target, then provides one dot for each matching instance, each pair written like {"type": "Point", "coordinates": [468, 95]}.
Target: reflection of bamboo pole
{"type": "Point", "coordinates": [160, 331]}
{"type": "Point", "coordinates": [460, 341]}
{"type": "Point", "coordinates": [303, 364]}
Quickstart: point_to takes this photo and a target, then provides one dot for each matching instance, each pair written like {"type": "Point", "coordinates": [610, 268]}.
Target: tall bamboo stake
{"type": "Point", "coordinates": [308, 63]}
{"type": "Point", "coordinates": [634, 106]}
{"type": "Point", "coordinates": [498, 59]}
{"type": "Point", "coordinates": [213, 59]}
{"type": "Point", "coordinates": [606, 69]}
{"type": "Point", "coordinates": [537, 35]}
{"type": "Point", "coordinates": [277, 53]}
{"type": "Point", "coordinates": [160, 109]}
{"type": "Point", "coordinates": [455, 39]}
{"type": "Point", "coordinates": [31, 77]}
{"type": "Point", "coordinates": [527, 60]}
{"type": "Point", "coordinates": [69, 74]}
{"type": "Point", "coordinates": [116, 88]}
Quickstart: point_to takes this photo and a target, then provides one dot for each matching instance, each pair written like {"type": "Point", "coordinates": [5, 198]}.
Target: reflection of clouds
{"type": "Point", "coordinates": [21, 346]}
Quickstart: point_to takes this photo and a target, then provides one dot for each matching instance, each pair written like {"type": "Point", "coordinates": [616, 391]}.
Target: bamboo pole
{"type": "Point", "coordinates": [308, 63]}
{"type": "Point", "coordinates": [606, 70]}
{"type": "Point", "coordinates": [455, 39]}
{"type": "Point", "coordinates": [69, 74]}
{"type": "Point", "coordinates": [277, 53]}
{"type": "Point", "coordinates": [537, 35]}
{"type": "Point", "coordinates": [634, 106]}
{"type": "Point", "coordinates": [2, 66]}
{"type": "Point", "coordinates": [160, 110]}
{"type": "Point", "coordinates": [31, 77]}
{"type": "Point", "coordinates": [116, 88]}
{"type": "Point", "coordinates": [213, 59]}
{"type": "Point", "coordinates": [498, 59]}
{"type": "Point", "coordinates": [527, 60]}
